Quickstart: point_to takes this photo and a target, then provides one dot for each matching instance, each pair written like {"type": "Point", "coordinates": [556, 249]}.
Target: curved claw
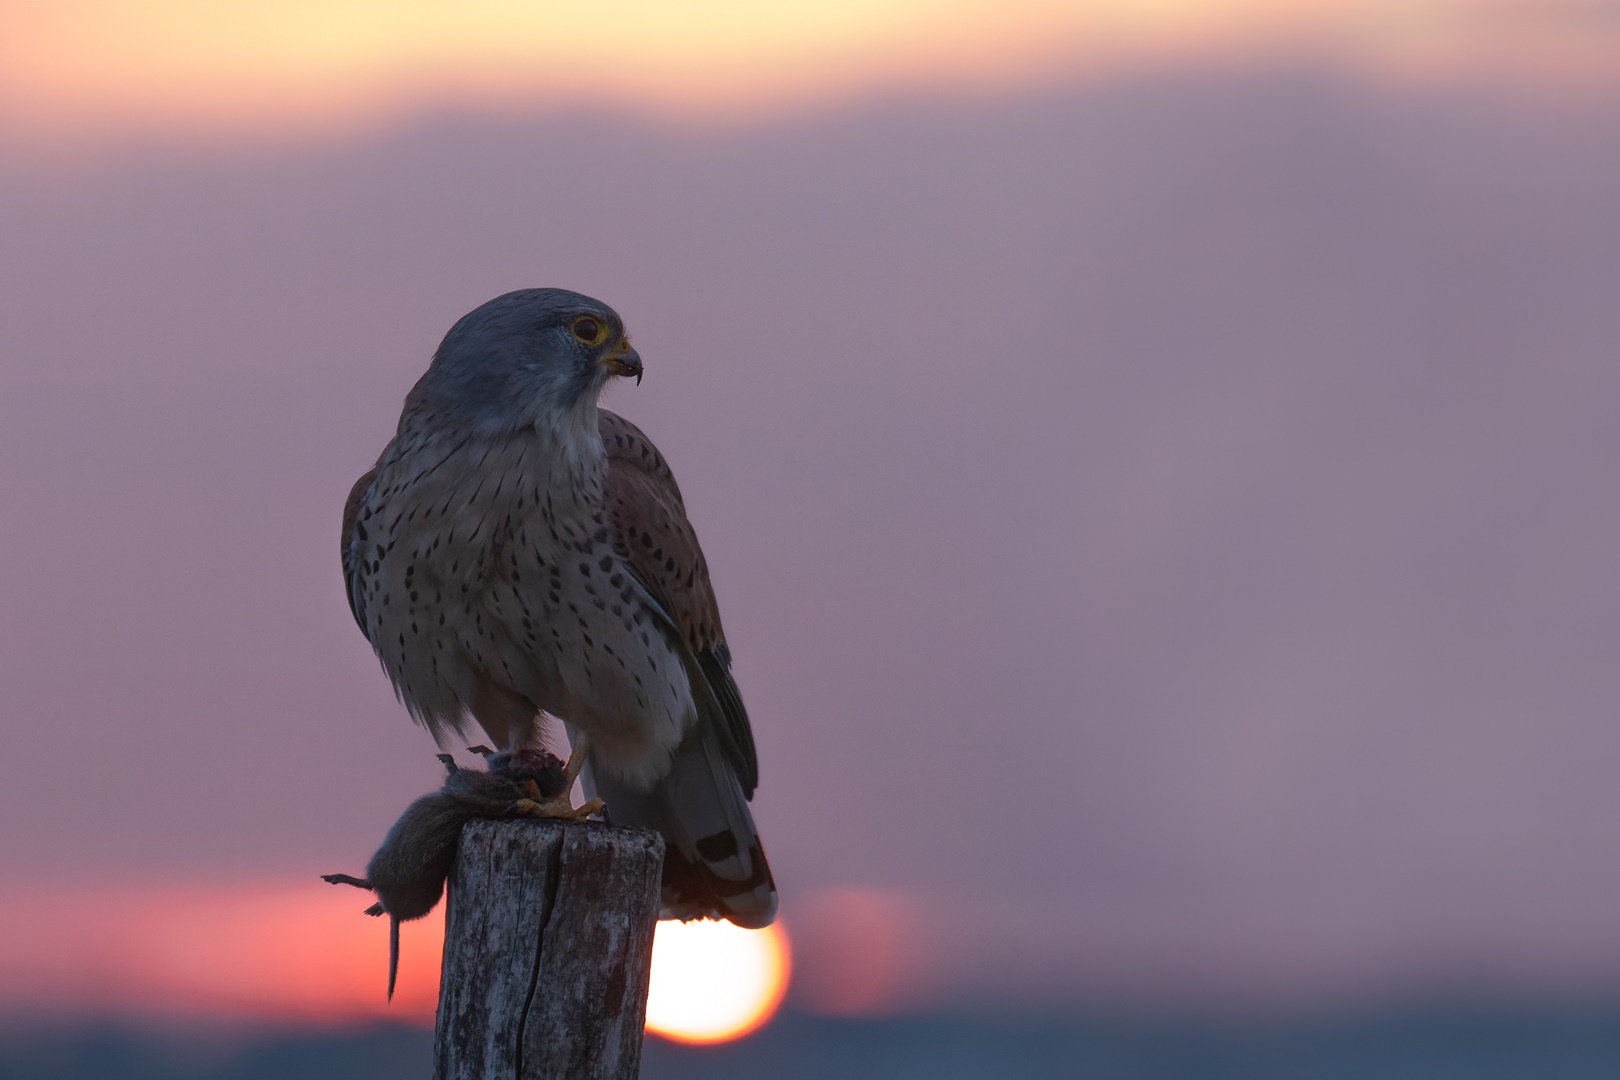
{"type": "Point", "coordinates": [557, 809]}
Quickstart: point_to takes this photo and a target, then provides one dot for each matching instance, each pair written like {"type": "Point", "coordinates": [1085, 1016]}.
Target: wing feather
{"type": "Point", "coordinates": [651, 533]}
{"type": "Point", "coordinates": [352, 550]}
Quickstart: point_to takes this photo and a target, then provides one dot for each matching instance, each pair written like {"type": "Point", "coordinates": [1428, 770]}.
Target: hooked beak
{"type": "Point", "coordinates": [625, 361]}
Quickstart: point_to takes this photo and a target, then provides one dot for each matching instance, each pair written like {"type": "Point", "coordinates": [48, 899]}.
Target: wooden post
{"type": "Point", "coordinates": [547, 946]}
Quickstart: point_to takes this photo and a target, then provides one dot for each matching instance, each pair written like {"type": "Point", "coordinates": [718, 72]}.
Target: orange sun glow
{"type": "Point", "coordinates": [712, 981]}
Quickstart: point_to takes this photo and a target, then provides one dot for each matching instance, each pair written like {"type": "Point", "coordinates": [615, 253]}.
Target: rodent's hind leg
{"type": "Point", "coordinates": [359, 883]}
{"type": "Point", "coordinates": [348, 879]}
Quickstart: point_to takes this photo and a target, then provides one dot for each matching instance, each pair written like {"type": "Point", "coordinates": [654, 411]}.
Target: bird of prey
{"type": "Point", "coordinates": [518, 553]}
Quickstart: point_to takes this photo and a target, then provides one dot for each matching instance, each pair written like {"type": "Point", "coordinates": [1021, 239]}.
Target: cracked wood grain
{"type": "Point", "coordinates": [547, 948]}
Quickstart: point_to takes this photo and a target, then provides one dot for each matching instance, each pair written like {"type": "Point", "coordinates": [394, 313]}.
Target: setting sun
{"type": "Point", "coordinates": [712, 981]}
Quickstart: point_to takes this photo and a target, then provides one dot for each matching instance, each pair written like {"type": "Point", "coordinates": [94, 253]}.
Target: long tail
{"type": "Point", "coordinates": [393, 954]}
{"type": "Point", "coordinates": [714, 865]}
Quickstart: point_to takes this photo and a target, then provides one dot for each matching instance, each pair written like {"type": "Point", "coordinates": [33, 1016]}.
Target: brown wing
{"type": "Point", "coordinates": [650, 531]}
{"type": "Point", "coordinates": [351, 550]}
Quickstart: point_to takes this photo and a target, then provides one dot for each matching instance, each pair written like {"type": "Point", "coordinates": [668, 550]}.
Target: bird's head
{"type": "Point", "coordinates": [531, 355]}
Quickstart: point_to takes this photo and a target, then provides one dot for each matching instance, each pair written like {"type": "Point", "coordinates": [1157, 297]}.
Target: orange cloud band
{"type": "Point", "coordinates": [195, 64]}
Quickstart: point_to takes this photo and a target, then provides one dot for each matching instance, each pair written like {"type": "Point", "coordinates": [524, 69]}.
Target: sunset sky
{"type": "Point", "coordinates": [94, 66]}
{"type": "Point", "coordinates": [1155, 459]}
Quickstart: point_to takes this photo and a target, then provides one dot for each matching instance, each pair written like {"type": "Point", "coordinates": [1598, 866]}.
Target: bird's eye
{"type": "Point", "coordinates": [589, 330]}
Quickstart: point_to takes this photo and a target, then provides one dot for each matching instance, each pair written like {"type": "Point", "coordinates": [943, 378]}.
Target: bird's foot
{"type": "Point", "coordinates": [576, 761]}
{"type": "Point", "coordinates": [547, 783]}
{"type": "Point", "coordinates": [558, 808]}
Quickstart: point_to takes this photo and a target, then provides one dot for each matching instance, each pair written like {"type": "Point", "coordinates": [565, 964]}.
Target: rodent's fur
{"type": "Point", "coordinates": [409, 870]}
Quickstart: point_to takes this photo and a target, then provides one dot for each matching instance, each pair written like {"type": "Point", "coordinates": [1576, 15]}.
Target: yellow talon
{"type": "Point", "coordinates": [558, 806]}
{"type": "Point", "coordinates": [556, 809]}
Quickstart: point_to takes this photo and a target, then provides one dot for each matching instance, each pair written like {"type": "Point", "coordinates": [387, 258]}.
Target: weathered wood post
{"type": "Point", "coordinates": [547, 946]}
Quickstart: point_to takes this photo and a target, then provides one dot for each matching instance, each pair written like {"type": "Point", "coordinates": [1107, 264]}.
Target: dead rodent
{"type": "Point", "coordinates": [408, 871]}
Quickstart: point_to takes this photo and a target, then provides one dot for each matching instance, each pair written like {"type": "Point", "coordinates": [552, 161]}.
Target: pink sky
{"type": "Point", "coordinates": [1161, 518]}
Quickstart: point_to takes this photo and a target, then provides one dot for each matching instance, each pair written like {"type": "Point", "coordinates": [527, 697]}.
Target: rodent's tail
{"type": "Point", "coordinates": [714, 865]}
{"type": "Point", "coordinates": [393, 953]}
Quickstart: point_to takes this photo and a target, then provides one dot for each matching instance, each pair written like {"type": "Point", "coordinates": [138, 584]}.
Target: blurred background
{"type": "Point", "coordinates": [1156, 457]}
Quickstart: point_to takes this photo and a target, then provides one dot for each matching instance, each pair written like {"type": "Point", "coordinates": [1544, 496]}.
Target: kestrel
{"type": "Point", "coordinates": [518, 552]}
